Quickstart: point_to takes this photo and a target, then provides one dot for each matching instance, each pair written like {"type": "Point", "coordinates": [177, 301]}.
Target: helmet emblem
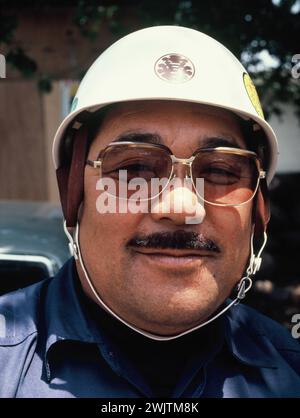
{"type": "Point", "coordinates": [174, 68]}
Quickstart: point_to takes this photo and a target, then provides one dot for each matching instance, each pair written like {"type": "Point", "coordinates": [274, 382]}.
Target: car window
{"type": "Point", "coordinates": [16, 274]}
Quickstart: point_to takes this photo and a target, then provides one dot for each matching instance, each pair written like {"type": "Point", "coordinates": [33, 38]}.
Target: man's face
{"type": "Point", "coordinates": [164, 291]}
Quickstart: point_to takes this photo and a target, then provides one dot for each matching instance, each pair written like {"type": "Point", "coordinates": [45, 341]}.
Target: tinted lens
{"type": "Point", "coordinates": [130, 163]}
{"type": "Point", "coordinates": [228, 178]}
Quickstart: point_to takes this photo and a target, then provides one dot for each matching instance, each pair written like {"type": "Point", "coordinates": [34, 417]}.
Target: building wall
{"type": "Point", "coordinates": [22, 140]}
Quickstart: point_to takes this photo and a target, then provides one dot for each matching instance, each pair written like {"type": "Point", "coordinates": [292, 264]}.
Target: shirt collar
{"type": "Point", "coordinates": [64, 314]}
{"type": "Point", "coordinates": [64, 317]}
{"type": "Point", "coordinates": [245, 340]}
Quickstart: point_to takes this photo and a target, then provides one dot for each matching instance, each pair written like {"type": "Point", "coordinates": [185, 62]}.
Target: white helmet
{"type": "Point", "coordinates": [169, 63]}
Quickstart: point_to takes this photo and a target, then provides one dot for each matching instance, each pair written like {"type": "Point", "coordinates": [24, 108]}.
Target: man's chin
{"type": "Point", "coordinates": [174, 320]}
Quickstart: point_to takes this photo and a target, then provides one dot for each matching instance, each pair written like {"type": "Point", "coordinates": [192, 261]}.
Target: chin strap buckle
{"type": "Point", "coordinates": [243, 289]}
{"type": "Point", "coordinates": [72, 244]}
{"type": "Point", "coordinates": [253, 267]}
{"type": "Point", "coordinates": [256, 264]}
{"type": "Point", "coordinates": [255, 260]}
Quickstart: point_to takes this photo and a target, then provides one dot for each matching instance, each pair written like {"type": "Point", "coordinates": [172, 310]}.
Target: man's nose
{"type": "Point", "coordinates": [179, 204]}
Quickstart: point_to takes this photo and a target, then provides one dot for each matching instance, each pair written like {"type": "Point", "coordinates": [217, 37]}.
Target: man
{"type": "Point", "coordinates": [162, 165]}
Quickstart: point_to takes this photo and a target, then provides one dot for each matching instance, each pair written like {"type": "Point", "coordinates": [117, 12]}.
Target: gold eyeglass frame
{"type": "Point", "coordinates": [185, 161]}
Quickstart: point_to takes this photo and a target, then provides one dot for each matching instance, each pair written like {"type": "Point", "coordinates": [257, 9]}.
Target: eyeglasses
{"type": "Point", "coordinates": [231, 175]}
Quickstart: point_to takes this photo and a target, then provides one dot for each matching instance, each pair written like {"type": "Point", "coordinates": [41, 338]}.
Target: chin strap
{"type": "Point", "coordinates": [243, 286]}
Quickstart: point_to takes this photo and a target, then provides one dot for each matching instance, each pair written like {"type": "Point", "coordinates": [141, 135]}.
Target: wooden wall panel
{"type": "Point", "coordinates": [22, 151]}
{"type": "Point", "coordinates": [52, 116]}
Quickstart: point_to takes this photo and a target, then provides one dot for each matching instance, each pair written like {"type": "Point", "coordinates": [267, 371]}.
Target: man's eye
{"type": "Point", "coordinates": [219, 175]}
{"type": "Point", "coordinates": [135, 168]}
{"type": "Point", "coordinates": [138, 170]}
{"type": "Point", "coordinates": [222, 171]}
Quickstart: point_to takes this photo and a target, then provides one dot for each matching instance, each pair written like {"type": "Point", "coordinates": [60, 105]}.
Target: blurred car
{"type": "Point", "coordinates": [33, 245]}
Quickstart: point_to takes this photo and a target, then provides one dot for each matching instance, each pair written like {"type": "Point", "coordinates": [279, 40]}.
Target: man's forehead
{"type": "Point", "coordinates": [155, 116]}
{"type": "Point", "coordinates": [135, 108]}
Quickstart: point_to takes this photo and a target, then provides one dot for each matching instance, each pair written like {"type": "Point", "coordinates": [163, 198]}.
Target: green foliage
{"type": "Point", "coordinates": [45, 84]}
{"type": "Point", "coordinates": [19, 60]}
{"type": "Point", "coordinates": [8, 24]}
{"type": "Point", "coordinates": [89, 16]}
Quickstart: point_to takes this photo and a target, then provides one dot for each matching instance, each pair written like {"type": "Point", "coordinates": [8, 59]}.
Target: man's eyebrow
{"type": "Point", "coordinates": [219, 141]}
{"type": "Point", "coordinates": [149, 138]}
{"type": "Point", "coordinates": [154, 138]}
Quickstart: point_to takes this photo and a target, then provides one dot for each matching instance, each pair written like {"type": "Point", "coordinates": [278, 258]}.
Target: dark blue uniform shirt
{"type": "Point", "coordinates": [53, 345]}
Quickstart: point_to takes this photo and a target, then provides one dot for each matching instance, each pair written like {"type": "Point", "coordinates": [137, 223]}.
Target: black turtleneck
{"type": "Point", "coordinates": [161, 363]}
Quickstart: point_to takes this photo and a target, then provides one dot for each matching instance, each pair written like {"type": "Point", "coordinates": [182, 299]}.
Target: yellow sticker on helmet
{"type": "Point", "coordinates": [252, 93]}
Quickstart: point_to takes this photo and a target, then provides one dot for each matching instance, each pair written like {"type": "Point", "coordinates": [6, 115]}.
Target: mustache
{"type": "Point", "coordinates": [179, 240]}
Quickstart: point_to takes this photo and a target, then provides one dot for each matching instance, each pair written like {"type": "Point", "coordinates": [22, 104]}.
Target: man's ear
{"type": "Point", "coordinates": [262, 210]}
